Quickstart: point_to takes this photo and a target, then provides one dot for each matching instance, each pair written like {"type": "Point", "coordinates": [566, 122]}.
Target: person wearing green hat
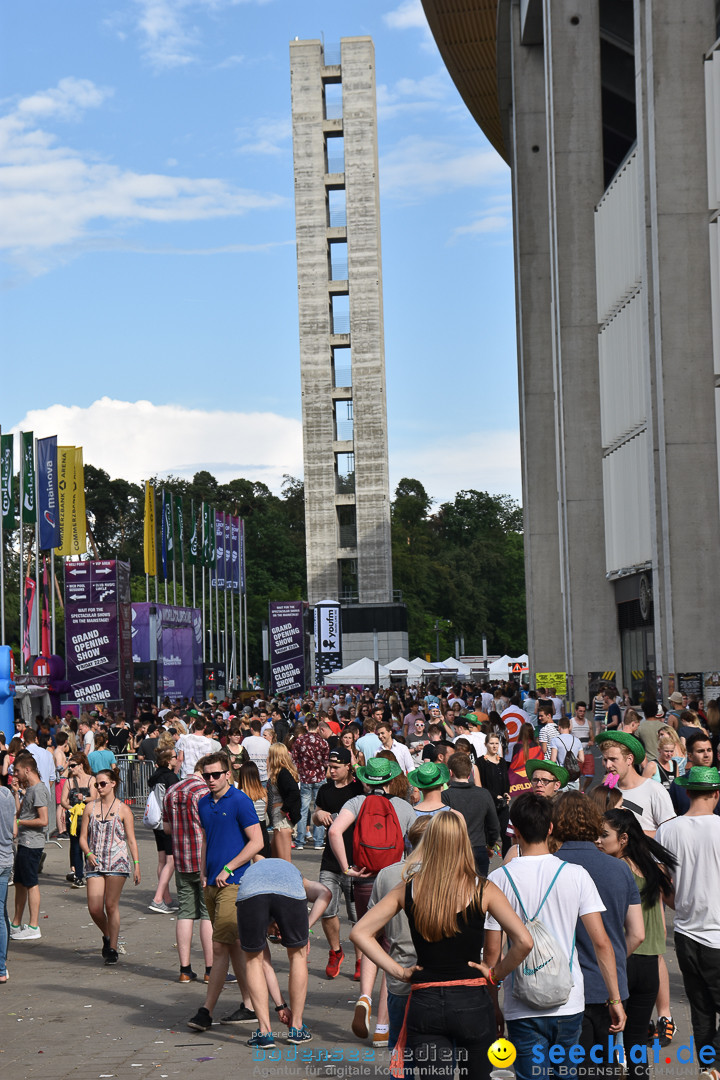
{"type": "Point", "coordinates": [694, 840]}
{"type": "Point", "coordinates": [430, 779]}
{"type": "Point", "coordinates": [622, 755]}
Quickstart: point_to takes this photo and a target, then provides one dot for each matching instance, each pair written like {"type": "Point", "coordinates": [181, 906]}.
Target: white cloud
{"type": "Point", "coordinates": [265, 136]}
{"type": "Point", "coordinates": [483, 460]}
{"type": "Point", "coordinates": [168, 39]}
{"type": "Point", "coordinates": [408, 16]}
{"type": "Point", "coordinates": [53, 195]}
{"type": "Point", "coordinates": [418, 167]}
{"type": "Point", "coordinates": [138, 439]}
{"type": "Point", "coordinates": [488, 223]}
{"type": "Point", "coordinates": [413, 95]}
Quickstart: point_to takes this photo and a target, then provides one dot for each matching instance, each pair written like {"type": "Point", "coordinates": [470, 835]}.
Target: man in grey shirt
{"type": "Point", "coordinates": [32, 821]}
{"type": "Point", "coordinates": [8, 830]}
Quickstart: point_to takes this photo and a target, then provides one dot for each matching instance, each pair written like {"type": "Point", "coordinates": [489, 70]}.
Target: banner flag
{"type": "Point", "coordinates": [78, 540]}
{"type": "Point", "coordinates": [29, 514]}
{"type": "Point", "coordinates": [242, 556]}
{"type": "Point", "coordinates": [66, 483]}
{"type": "Point", "coordinates": [47, 492]}
{"type": "Point", "coordinates": [227, 535]}
{"type": "Point", "coordinates": [205, 535]}
{"type": "Point", "coordinates": [6, 482]}
{"type": "Point", "coordinates": [219, 530]}
{"type": "Point", "coordinates": [164, 532]}
{"type": "Point", "coordinates": [194, 539]}
{"type": "Point", "coordinates": [180, 530]}
{"type": "Point", "coordinates": [211, 537]}
{"type": "Point", "coordinates": [235, 552]}
{"type": "Point", "coordinates": [45, 648]}
{"type": "Point", "coordinates": [29, 603]}
{"type": "Point", "coordinates": [149, 533]}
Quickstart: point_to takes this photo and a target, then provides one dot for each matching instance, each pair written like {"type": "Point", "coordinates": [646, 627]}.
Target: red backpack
{"type": "Point", "coordinates": [378, 839]}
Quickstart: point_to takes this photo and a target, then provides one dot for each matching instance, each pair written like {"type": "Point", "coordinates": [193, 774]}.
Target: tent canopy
{"type": "Point", "coordinates": [500, 669]}
{"type": "Point", "coordinates": [361, 673]}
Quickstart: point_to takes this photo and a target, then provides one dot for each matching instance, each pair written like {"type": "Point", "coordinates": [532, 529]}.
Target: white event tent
{"type": "Point", "coordinates": [361, 673]}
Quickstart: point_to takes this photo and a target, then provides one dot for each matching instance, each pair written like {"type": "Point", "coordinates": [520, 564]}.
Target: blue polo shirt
{"type": "Point", "coordinates": [224, 823]}
{"type": "Point", "coordinates": [618, 891]}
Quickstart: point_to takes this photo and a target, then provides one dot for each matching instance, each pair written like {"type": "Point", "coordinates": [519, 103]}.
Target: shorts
{"type": "Point", "coordinates": [255, 914]}
{"type": "Point", "coordinates": [190, 896]}
{"type": "Point", "coordinates": [104, 873]}
{"type": "Point", "coordinates": [163, 841]}
{"type": "Point", "coordinates": [220, 904]}
{"type": "Point", "coordinates": [588, 765]}
{"type": "Point", "coordinates": [60, 784]}
{"type": "Point", "coordinates": [278, 819]}
{"type": "Point", "coordinates": [339, 885]}
{"type": "Point", "coordinates": [27, 866]}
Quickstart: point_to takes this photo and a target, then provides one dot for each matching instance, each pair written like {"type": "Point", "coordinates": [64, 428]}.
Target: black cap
{"type": "Point", "coordinates": [340, 754]}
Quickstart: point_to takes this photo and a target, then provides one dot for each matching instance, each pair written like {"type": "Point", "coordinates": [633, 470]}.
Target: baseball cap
{"type": "Point", "coordinates": [341, 754]}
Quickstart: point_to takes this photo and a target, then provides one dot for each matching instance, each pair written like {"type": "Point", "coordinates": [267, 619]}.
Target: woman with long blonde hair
{"type": "Point", "coordinates": [445, 904]}
{"type": "Point", "coordinates": [283, 791]}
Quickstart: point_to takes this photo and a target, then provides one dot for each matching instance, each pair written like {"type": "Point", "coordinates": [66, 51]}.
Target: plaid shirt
{"type": "Point", "coordinates": [310, 753]}
{"type": "Point", "coordinates": [180, 812]}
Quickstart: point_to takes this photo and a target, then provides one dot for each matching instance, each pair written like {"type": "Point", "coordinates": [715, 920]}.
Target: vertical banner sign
{"type": "Point", "coordinates": [287, 649]}
{"type": "Point", "coordinates": [47, 490]}
{"type": "Point", "coordinates": [45, 614]}
{"type": "Point", "coordinates": [98, 630]}
{"type": "Point", "coordinates": [328, 639]}
{"type": "Point", "coordinates": [66, 483]}
{"type": "Point", "coordinates": [180, 531]}
{"type": "Point", "coordinates": [235, 548]}
{"type": "Point", "coordinates": [228, 551]}
{"type": "Point", "coordinates": [29, 603]}
{"type": "Point", "coordinates": [242, 556]}
{"type": "Point", "coordinates": [6, 482]}
{"type": "Point", "coordinates": [149, 531]}
{"type": "Point", "coordinates": [78, 539]}
{"type": "Point", "coordinates": [194, 539]}
{"type": "Point", "coordinates": [206, 549]}
{"type": "Point", "coordinates": [166, 520]}
{"type": "Point", "coordinates": [211, 539]}
{"type": "Point", "coordinates": [28, 472]}
{"type": "Point", "coordinates": [219, 531]}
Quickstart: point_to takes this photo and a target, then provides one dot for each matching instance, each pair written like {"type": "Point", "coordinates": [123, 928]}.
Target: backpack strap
{"type": "Point", "coordinates": [549, 889]}
{"type": "Point", "coordinates": [517, 894]}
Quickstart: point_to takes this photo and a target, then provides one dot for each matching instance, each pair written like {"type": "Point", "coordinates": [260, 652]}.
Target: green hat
{"type": "Point", "coordinates": [431, 774]}
{"type": "Point", "coordinates": [473, 718]}
{"type": "Point", "coordinates": [558, 771]}
{"type": "Point", "coordinates": [625, 739]}
{"type": "Point", "coordinates": [378, 771]}
{"type": "Point", "coordinates": [700, 778]}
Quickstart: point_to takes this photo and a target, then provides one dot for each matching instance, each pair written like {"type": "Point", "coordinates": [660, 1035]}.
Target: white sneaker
{"type": "Point", "coordinates": [15, 930]}
{"type": "Point", "coordinates": [27, 933]}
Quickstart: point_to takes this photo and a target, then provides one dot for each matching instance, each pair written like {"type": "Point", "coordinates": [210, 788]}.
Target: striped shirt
{"type": "Point", "coordinates": [180, 812]}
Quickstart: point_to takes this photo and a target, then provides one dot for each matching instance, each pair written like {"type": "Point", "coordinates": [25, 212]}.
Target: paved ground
{"type": "Point", "coordinates": [64, 1014]}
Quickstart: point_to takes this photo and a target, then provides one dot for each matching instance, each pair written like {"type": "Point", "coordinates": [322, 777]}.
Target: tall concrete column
{"type": "Point", "coordinates": [670, 41]}
{"type": "Point", "coordinates": [575, 185]}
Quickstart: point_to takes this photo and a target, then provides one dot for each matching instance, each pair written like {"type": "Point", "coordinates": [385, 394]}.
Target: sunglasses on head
{"type": "Point", "coordinates": [213, 775]}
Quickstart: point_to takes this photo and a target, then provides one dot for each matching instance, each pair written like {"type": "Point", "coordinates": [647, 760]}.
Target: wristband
{"type": "Point", "coordinates": [492, 979]}
{"type": "Point", "coordinates": [614, 1001]}
{"type": "Point", "coordinates": [136, 862]}
{"type": "Point", "coordinates": [279, 1008]}
{"type": "Point", "coordinates": [228, 870]}
{"type": "Point", "coordinates": [346, 870]}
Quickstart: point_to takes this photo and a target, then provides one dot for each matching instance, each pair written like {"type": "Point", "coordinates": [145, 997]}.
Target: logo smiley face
{"type": "Point", "coordinates": [502, 1053]}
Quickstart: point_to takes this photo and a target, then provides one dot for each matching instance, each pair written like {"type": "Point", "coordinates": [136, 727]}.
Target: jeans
{"type": "Point", "coordinates": [396, 1014]}
{"type": "Point", "coordinates": [543, 1032]}
{"type": "Point", "coordinates": [77, 863]}
{"type": "Point", "coordinates": [643, 978]}
{"type": "Point", "coordinates": [449, 1025]}
{"type": "Point", "coordinates": [4, 920]}
{"type": "Point", "coordinates": [700, 967]}
{"type": "Point", "coordinates": [308, 794]}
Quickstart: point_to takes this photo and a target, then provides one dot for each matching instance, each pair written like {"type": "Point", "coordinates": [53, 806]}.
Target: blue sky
{"type": "Point", "coordinates": [148, 287]}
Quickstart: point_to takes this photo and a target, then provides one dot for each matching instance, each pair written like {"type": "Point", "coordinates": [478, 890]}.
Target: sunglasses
{"type": "Point", "coordinates": [102, 783]}
{"type": "Point", "coordinates": [213, 775]}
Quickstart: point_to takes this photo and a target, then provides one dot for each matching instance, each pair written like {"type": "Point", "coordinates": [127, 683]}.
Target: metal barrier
{"type": "Point", "coordinates": [134, 776]}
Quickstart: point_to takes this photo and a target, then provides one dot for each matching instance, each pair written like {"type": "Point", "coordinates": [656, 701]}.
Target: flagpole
{"type": "Point", "coordinates": [247, 662]}
{"type": "Point", "coordinates": [171, 532]}
{"type": "Point", "coordinates": [52, 598]}
{"type": "Point", "coordinates": [22, 559]}
{"type": "Point", "coordinates": [240, 638]}
{"type": "Point", "coordinates": [226, 642]}
{"type": "Point", "coordinates": [232, 629]}
{"type": "Point", "coordinates": [217, 611]}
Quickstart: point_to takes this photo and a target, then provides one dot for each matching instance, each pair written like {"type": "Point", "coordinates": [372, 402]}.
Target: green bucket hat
{"type": "Point", "coordinates": [625, 739]}
{"type": "Point", "coordinates": [700, 778]}
{"type": "Point", "coordinates": [430, 774]}
{"type": "Point", "coordinates": [378, 771]}
{"type": "Point", "coordinates": [558, 771]}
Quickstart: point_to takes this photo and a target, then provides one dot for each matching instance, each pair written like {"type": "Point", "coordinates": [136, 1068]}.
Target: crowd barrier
{"type": "Point", "coordinates": [134, 776]}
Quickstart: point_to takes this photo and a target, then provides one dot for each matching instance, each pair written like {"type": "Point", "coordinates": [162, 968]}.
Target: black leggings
{"type": "Point", "coordinates": [643, 984]}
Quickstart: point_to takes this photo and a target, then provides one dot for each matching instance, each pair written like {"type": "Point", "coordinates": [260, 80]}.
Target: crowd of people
{"type": "Point", "coordinates": [595, 822]}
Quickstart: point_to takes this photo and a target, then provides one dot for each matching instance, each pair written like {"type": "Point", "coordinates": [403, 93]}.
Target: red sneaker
{"type": "Point", "coordinates": [335, 959]}
{"type": "Point", "coordinates": [356, 976]}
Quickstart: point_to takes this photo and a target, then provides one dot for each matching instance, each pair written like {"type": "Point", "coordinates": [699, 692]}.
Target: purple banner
{"type": "Point", "coordinates": [219, 567]}
{"type": "Point", "coordinates": [91, 638]}
{"type": "Point", "coordinates": [228, 551]}
{"type": "Point", "coordinates": [287, 646]}
{"type": "Point", "coordinates": [47, 489]}
{"type": "Point", "coordinates": [242, 557]}
{"type": "Point", "coordinates": [235, 552]}
{"type": "Point", "coordinates": [179, 647]}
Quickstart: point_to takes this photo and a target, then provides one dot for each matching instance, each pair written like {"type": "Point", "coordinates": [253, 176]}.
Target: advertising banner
{"type": "Point", "coordinates": [711, 686]}
{"type": "Point", "coordinates": [66, 482]}
{"type": "Point", "coordinates": [328, 639]}
{"type": "Point", "coordinates": [47, 491]}
{"type": "Point", "coordinates": [287, 647]}
{"type": "Point", "coordinates": [179, 649]}
{"type": "Point", "coordinates": [78, 522]}
{"type": "Point", "coordinates": [28, 478]}
{"type": "Point", "coordinates": [149, 531]}
{"type": "Point", "coordinates": [228, 550]}
{"type": "Point", "coordinates": [553, 680]}
{"type": "Point", "coordinates": [690, 683]}
{"type": "Point", "coordinates": [194, 537]}
{"type": "Point", "coordinates": [6, 482]}
{"type": "Point", "coordinates": [235, 552]}
{"type": "Point", "coordinates": [218, 522]}
{"type": "Point", "coordinates": [242, 556]}
{"type": "Point", "coordinates": [97, 634]}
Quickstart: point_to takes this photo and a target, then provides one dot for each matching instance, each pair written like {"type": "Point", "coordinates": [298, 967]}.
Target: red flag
{"type": "Point", "coordinates": [29, 602]}
{"type": "Point", "coordinates": [45, 615]}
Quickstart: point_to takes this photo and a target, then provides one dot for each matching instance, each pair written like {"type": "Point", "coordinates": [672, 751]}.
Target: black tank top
{"type": "Point", "coordinates": [447, 960]}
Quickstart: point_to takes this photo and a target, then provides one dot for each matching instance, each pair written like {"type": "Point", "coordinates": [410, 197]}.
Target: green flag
{"type": "Point", "coordinates": [169, 530]}
{"type": "Point", "coordinates": [194, 540]}
{"type": "Point", "coordinates": [211, 540]}
{"type": "Point", "coordinates": [29, 514]}
{"type": "Point", "coordinates": [6, 482]}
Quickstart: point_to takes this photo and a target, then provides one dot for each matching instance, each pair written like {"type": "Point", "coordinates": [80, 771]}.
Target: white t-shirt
{"type": "Point", "coordinates": [566, 744]}
{"type": "Point", "coordinates": [258, 749]}
{"type": "Point", "coordinates": [573, 895]}
{"type": "Point", "coordinates": [650, 803]}
{"type": "Point", "coordinates": [695, 841]}
{"type": "Point", "coordinates": [478, 740]}
{"type": "Point", "coordinates": [558, 707]}
{"type": "Point", "coordinates": [193, 747]}
{"type": "Point", "coordinates": [402, 756]}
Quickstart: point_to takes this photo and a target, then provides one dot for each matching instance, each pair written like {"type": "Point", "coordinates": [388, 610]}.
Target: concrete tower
{"type": "Point", "coordinates": [342, 354]}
